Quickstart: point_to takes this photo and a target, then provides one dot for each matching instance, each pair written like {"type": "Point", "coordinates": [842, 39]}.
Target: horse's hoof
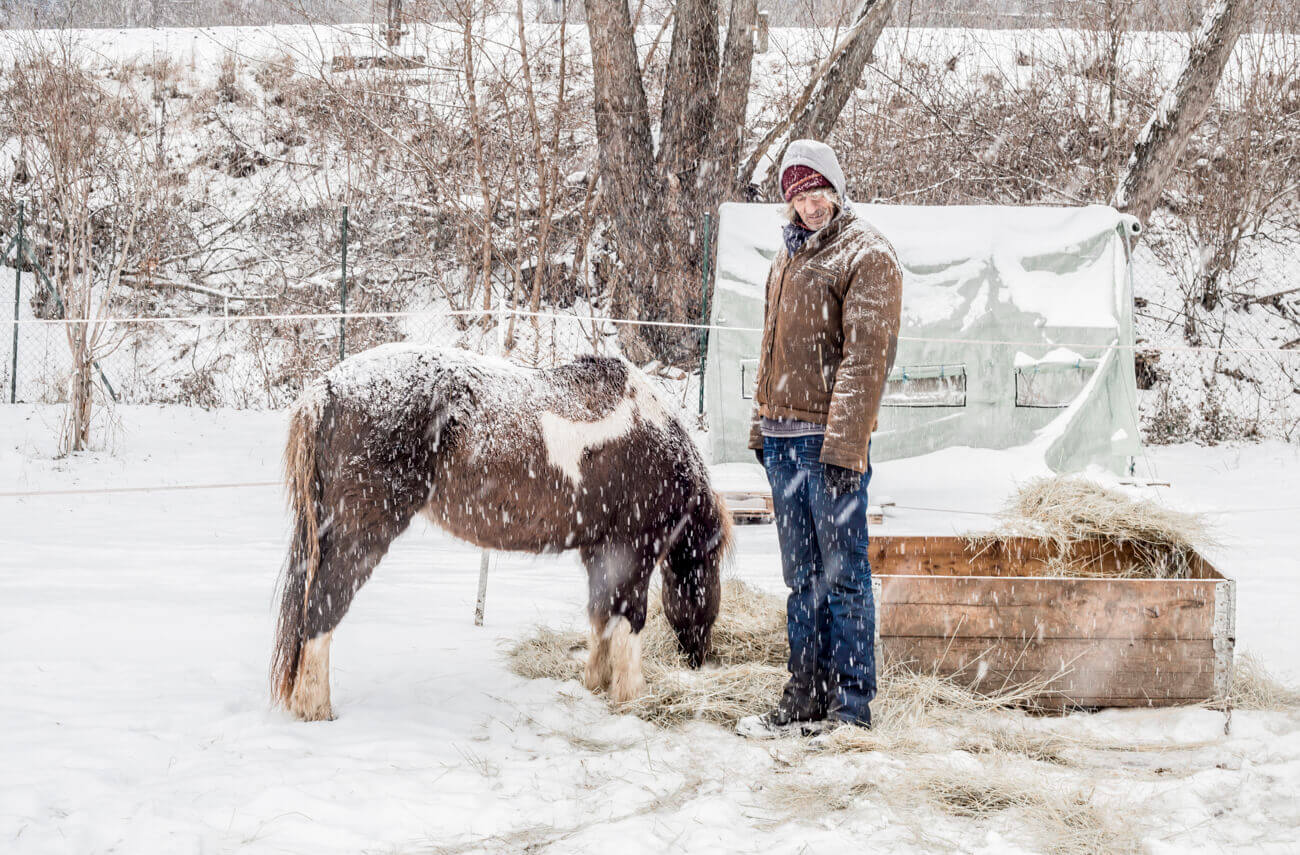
{"type": "Point", "coordinates": [627, 689]}
{"type": "Point", "coordinates": [315, 713]}
{"type": "Point", "coordinates": [594, 677]}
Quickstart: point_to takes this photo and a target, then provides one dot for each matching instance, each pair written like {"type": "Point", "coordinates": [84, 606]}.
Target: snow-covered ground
{"type": "Point", "coordinates": [135, 633]}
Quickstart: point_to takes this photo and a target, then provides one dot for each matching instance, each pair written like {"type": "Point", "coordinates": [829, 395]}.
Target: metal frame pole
{"type": "Point", "coordinates": [343, 292]}
{"type": "Point", "coordinates": [18, 281]}
{"type": "Point", "coordinates": [704, 311]}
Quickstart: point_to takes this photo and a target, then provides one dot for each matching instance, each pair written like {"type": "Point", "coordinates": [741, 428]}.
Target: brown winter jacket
{"type": "Point", "coordinates": [830, 330]}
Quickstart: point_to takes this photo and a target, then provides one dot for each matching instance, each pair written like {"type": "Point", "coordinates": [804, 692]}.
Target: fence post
{"type": "Point", "coordinates": [704, 311]}
{"type": "Point", "coordinates": [18, 281]}
{"type": "Point", "coordinates": [343, 291]}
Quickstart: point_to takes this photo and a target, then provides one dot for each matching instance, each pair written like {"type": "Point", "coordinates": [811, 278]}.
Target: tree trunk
{"type": "Point", "coordinates": [1161, 142]}
{"type": "Point", "coordinates": [728, 129]}
{"type": "Point", "coordinates": [690, 90]}
{"type": "Point", "coordinates": [844, 72]}
{"type": "Point", "coordinates": [648, 281]}
{"type": "Point", "coordinates": [820, 104]}
{"type": "Point", "coordinates": [655, 204]}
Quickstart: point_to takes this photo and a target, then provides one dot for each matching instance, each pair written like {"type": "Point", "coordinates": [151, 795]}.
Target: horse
{"type": "Point", "coordinates": [584, 456]}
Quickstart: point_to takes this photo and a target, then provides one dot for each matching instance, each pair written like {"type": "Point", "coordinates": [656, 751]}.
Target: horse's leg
{"type": "Point", "coordinates": [310, 699]}
{"type": "Point", "coordinates": [596, 675]}
{"type": "Point", "coordinates": [362, 516]}
{"type": "Point", "coordinates": [618, 579]}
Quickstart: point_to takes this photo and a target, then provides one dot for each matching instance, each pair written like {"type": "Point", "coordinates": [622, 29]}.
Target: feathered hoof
{"type": "Point", "coordinates": [625, 688]}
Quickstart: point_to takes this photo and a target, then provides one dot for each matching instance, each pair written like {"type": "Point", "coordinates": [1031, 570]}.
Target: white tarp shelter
{"type": "Point", "coordinates": [1011, 321]}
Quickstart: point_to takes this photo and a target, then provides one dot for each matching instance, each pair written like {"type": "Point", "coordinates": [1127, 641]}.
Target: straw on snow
{"type": "Point", "coordinates": [1067, 512]}
{"type": "Point", "coordinates": [746, 671]}
{"type": "Point", "coordinates": [1254, 688]}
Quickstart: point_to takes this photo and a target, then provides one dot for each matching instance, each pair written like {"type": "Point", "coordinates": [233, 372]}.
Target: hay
{"type": "Point", "coordinates": [1061, 818]}
{"type": "Point", "coordinates": [921, 715]}
{"type": "Point", "coordinates": [547, 653]}
{"type": "Point", "coordinates": [744, 676]}
{"type": "Point", "coordinates": [1070, 514]}
{"type": "Point", "coordinates": [746, 671]}
{"type": "Point", "coordinates": [1254, 688]}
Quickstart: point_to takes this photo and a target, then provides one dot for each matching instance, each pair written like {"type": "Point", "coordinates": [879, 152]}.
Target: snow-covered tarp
{"type": "Point", "coordinates": [1017, 330]}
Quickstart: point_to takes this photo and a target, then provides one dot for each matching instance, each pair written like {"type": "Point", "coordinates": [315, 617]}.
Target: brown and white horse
{"type": "Point", "coordinates": [580, 457]}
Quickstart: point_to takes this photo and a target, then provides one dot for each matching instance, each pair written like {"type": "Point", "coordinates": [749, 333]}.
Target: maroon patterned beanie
{"type": "Point", "coordinates": [799, 179]}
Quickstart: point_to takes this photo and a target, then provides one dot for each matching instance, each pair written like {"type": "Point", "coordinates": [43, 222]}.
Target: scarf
{"type": "Point", "coordinates": [795, 237]}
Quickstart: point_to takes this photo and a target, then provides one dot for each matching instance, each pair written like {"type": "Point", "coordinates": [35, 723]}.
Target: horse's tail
{"type": "Point", "coordinates": [300, 567]}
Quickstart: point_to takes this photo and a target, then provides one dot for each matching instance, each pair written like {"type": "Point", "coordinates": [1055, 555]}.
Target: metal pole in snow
{"type": "Point", "coordinates": [704, 312]}
{"type": "Point", "coordinates": [485, 562]}
{"type": "Point", "coordinates": [343, 291]}
{"type": "Point", "coordinates": [18, 281]}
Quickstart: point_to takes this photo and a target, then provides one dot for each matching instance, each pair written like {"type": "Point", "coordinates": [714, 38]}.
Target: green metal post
{"type": "Point", "coordinates": [704, 311]}
{"type": "Point", "coordinates": [343, 291]}
{"type": "Point", "coordinates": [18, 281]}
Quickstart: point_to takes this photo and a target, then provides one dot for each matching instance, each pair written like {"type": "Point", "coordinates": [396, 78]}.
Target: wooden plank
{"type": "Point", "coordinates": [967, 607]}
{"type": "Point", "coordinates": [1096, 655]}
{"type": "Point", "coordinates": [1077, 685]}
{"type": "Point", "coordinates": [953, 556]}
{"type": "Point", "coordinates": [1050, 703]}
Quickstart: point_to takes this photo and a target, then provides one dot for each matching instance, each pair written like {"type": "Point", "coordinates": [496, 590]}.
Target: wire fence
{"type": "Point", "coordinates": [1238, 379]}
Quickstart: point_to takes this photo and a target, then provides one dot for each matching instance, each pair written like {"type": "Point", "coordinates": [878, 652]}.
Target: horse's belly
{"type": "Point", "coordinates": [526, 517]}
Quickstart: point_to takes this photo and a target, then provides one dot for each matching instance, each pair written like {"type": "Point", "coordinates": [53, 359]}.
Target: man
{"type": "Point", "coordinates": [830, 330]}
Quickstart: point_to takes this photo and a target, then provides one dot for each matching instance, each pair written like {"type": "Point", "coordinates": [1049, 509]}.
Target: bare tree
{"type": "Point", "coordinates": [88, 151]}
{"type": "Point", "coordinates": [1180, 110]}
{"type": "Point", "coordinates": [654, 195]}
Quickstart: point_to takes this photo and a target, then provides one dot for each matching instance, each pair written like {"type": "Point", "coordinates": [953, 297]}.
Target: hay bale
{"type": "Point", "coordinates": [1067, 512]}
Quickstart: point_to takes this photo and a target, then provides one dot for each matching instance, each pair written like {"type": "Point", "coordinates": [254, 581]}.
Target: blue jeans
{"type": "Point", "coordinates": [830, 613]}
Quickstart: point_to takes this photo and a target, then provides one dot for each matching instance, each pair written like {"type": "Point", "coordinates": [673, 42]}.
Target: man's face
{"type": "Point", "coordinates": [814, 207]}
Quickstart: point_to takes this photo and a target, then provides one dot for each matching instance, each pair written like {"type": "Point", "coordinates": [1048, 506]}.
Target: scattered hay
{"type": "Point", "coordinates": [1062, 818]}
{"type": "Point", "coordinates": [1039, 747]}
{"type": "Point", "coordinates": [1072, 514]}
{"type": "Point", "coordinates": [547, 653]}
{"type": "Point", "coordinates": [1020, 771]}
{"type": "Point", "coordinates": [811, 796]}
{"type": "Point", "coordinates": [1254, 688]}
{"type": "Point", "coordinates": [745, 673]}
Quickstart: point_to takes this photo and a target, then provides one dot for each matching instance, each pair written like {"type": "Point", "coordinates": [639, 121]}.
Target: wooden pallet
{"type": "Point", "coordinates": [744, 509]}
{"type": "Point", "coordinates": [749, 506]}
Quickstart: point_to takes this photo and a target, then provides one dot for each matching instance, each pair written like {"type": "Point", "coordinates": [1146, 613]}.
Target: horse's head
{"type": "Point", "coordinates": [692, 575]}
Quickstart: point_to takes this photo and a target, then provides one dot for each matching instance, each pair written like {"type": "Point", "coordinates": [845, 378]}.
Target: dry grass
{"type": "Point", "coordinates": [1062, 818]}
{"type": "Point", "coordinates": [1069, 513]}
{"type": "Point", "coordinates": [1033, 781]}
{"type": "Point", "coordinates": [747, 670]}
{"type": "Point", "coordinates": [1057, 815]}
{"type": "Point", "coordinates": [745, 674]}
{"type": "Point", "coordinates": [1254, 688]}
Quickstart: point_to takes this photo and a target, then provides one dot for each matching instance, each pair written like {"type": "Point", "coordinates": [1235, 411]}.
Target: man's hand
{"type": "Point", "coordinates": [841, 481]}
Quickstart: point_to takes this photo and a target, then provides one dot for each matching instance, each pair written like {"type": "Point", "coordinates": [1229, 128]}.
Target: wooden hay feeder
{"type": "Point", "coordinates": [989, 618]}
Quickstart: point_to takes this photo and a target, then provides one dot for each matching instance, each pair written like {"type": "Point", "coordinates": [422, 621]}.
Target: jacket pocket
{"type": "Point", "coordinates": [821, 368]}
